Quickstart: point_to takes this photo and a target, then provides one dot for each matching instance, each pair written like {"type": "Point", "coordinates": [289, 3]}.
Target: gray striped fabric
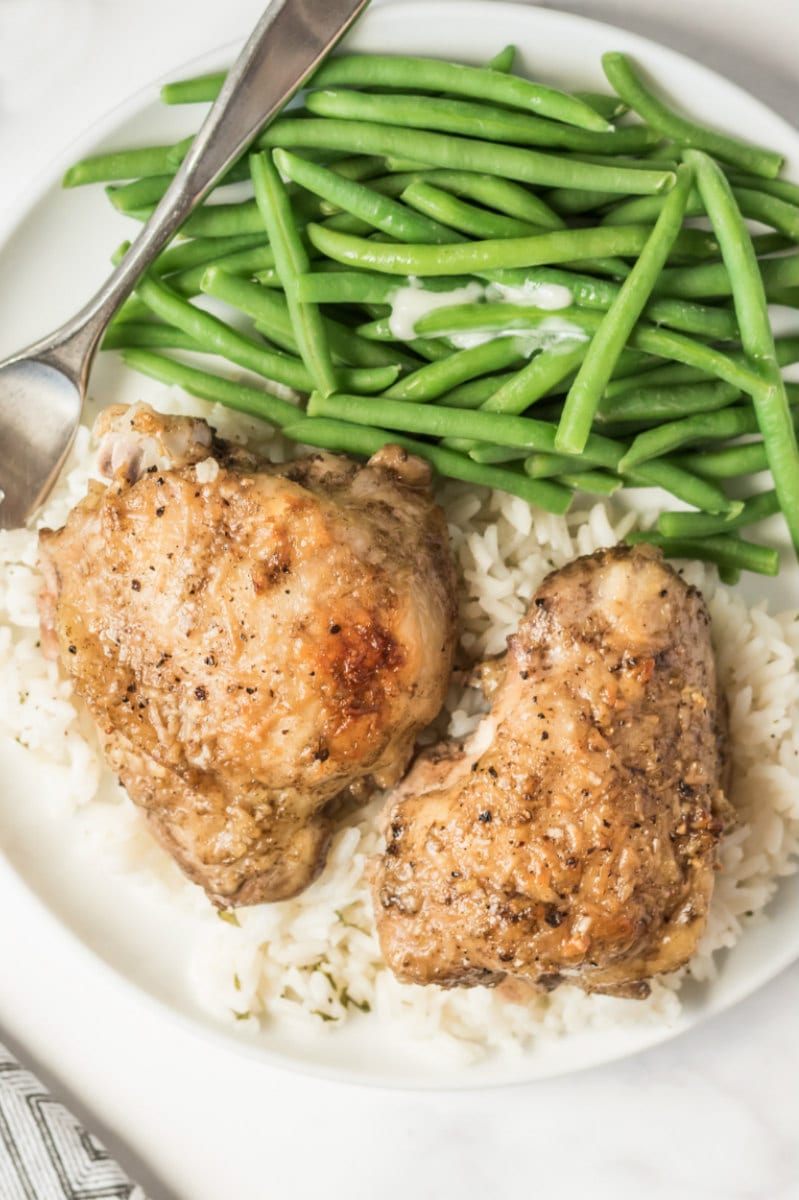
{"type": "Point", "coordinates": [45, 1153]}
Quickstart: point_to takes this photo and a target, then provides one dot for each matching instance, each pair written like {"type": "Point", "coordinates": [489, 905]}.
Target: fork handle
{"type": "Point", "coordinates": [287, 44]}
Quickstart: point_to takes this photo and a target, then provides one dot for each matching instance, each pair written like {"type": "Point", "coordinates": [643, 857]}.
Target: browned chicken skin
{"type": "Point", "coordinates": [253, 641]}
{"type": "Point", "coordinates": [574, 837]}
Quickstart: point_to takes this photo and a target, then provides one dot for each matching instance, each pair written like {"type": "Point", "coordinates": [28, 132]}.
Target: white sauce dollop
{"type": "Point", "coordinates": [412, 303]}
{"type": "Point", "coordinates": [540, 295]}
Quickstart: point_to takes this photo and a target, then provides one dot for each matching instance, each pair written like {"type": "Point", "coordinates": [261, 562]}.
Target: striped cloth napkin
{"type": "Point", "coordinates": [45, 1153]}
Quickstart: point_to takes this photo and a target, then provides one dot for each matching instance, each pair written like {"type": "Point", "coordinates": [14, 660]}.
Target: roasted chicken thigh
{"type": "Point", "coordinates": [254, 641]}
{"type": "Point", "coordinates": [574, 837]}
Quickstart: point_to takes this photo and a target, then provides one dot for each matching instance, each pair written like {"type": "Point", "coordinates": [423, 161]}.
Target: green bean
{"type": "Point", "coordinates": [728, 463]}
{"type": "Point", "coordinates": [131, 196]}
{"type": "Point", "coordinates": [217, 338]}
{"type": "Point", "coordinates": [291, 260]}
{"type": "Point", "coordinates": [757, 206]}
{"type": "Point", "coordinates": [395, 185]}
{"type": "Point", "coordinates": [367, 440]}
{"type": "Point", "coordinates": [536, 378]}
{"type": "Point", "coordinates": [476, 392]}
{"type": "Point", "coordinates": [673, 374]}
{"type": "Point", "coordinates": [151, 334]}
{"type": "Point", "coordinates": [701, 427]}
{"type": "Point", "coordinates": [782, 188]}
{"type": "Point", "coordinates": [729, 575]}
{"type": "Point", "coordinates": [576, 201]}
{"type": "Point", "coordinates": [484, 452]}
{"type": "Point", "coordinates": [435, 379]}
{"type": "Point", "coordinates": [271, 311]}
{"type": "Point", "coordinates": [659, 342]}
{"type": "Point", "coordinates": [653, 404]}
{"type": "Point", "coordinates": [208, 386]}
{"type": "Point", "coordinates": [499, 317]}
{"type": "Point", "coordinates": [610, 338]}
{"type": "Point", "coordinates": [180, 149]}
{"type": "Point", "coordinates": [380, 212]}
{"type": "Point", "coordinates": [474, 258]}
{"type": "Point", "coordinates": [359, 167]}
{"type": "Point", "coordinates": [432, 75]}
{"type": "Point", "coordinates": [630, 362]}
{"type": "Point", "coordinates": [771, 243]}
{"type": "Point", "coordinates": [609, 107]}
{"type": "Point", "coordinates": [241, 262]}
{"type": "Point", "coordinates": [694, 524]}
{"type": "Point", "coordinates": [503, 195]}
{"type": "Point", "coordinates": [470, 154]}
{"type": "Point", "coordinates": [652, 157]}
{"type": "Point", "coordinates": [119, 164]}
{"type": "Point", "coordinates": [349, 287]}
{"type": "Point", "coordinates": [474, 119]}
{"type": "Point", "coordinates": [438, 421]}
{"type": "Point", "coordinates": [724, 551]}
{"type": "Point", "coordinates": [757, 338]}
{"type": "Point", "coordinates": [787, 350]}
{"type": "Point", "coordinates": [503, 61]}
{"type": "Point", "coordinates": [712, 279]}
{"type": "Point", "coordinates": [380, 330]}
{"type": "Point", "coordinates": [590, 292]}
{"type": "Point", "coordinates": [624, 79]}
{"type": "Point", "coordinates": [192, 91]}
{"type": "Point", "coordinates": [216, 220]}
{"type": "Point", "coordinates": [464, 217]}
{"type": "Point", "coordinates": [711, 362]}
{"type": "Point", "coordinates": [347, 223]}
{"type": "Point", "coordinates": [431, 349]}
{"type": "Point", "coordinates": [680, 482]}
{"type": "Point", "coordinates": [596, 482]}
{"type": "Point", "coordinates": [544, 465]}
{"type": "Point", "coordinates": [671, 476]}
{"type": "Point", "coordinates": [242, 218]}
{"type": "Point", "coordinates": [435, 420]}
{"type": "Point", "coordinates": [507, 197]}
{"type": "Point", "coordinates": [181, 256]}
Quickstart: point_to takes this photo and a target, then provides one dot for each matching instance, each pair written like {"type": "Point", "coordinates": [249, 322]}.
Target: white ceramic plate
{"type": "Point", "coordinates": [49, 263]}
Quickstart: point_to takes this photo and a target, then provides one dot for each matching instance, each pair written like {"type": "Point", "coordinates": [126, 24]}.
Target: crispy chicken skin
{"type": "Point", "coordinates": [254, 642]}
{"type": "Point", "coordinates": [574, 837]}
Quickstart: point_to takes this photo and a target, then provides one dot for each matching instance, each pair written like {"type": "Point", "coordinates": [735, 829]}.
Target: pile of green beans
{"type": "Point", "coordinates": [574, 329]}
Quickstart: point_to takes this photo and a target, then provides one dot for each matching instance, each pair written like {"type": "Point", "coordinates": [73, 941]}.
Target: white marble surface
{"type": "Point", "coordinates": [712, 1115]}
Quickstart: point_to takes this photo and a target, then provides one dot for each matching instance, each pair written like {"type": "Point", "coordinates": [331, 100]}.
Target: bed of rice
{"type": "Point", "coordinates": [316, 958]}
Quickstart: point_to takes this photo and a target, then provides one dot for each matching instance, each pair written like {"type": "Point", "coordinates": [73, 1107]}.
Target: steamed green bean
{"type": "Point", "coordinates": [757, 338]}
{"type": "Point", "coordinates": [624, 79]}
{"type": "Point", "coordinates": [208, 386]}
{"type": "Point", "coordinates": [474, 119]}
{"type": "Point", "coordinates": [363, 439]}
{"type": "Point", "coordinates": [455, 79]}
{"type": "Point", "coordinates": [596, 369]}
{"type": "Point", "coordinates": [470, 154]}
{"type": "Point", "coordinates": [474, 258]}
{"type": "Point", "coordinates": [694, 524]}
{"type": "Point", "coordinates": [725, 551]}
{"type": "Point", "coordinates": [291, 260]}
{"type": "Point", "coordinates": [463, 217]}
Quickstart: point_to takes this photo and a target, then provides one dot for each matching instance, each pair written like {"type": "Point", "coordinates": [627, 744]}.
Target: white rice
{"type": "Point", "coordinates": [316, 959]}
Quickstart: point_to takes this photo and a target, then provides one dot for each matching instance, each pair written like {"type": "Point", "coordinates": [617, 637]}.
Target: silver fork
{"type": "Point", "coordinates": [42, 388]}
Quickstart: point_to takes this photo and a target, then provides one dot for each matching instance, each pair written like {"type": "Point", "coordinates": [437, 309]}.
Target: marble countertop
{"type": "Point", "coordinates": [713, 1114]}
